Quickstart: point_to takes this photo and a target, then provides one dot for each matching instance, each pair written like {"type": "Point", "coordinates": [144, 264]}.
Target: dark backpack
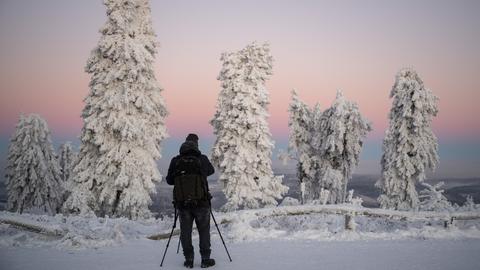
{"type": "Point", "coordinates": [190, 184]}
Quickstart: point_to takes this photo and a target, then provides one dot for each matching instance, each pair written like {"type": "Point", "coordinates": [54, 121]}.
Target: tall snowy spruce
{"type": "Point", "coordinates": [300, 145]}
{"type": "Point", "coordinates": [340, 132]}
{"type": "Point", "coordinates": [409, 147]}
{"type": "Point", "coordinates": [124, 118]}
{"type": "Point", "coordinates": [243, 146]}
{"type": "Point", "coordinates": [32, 172]}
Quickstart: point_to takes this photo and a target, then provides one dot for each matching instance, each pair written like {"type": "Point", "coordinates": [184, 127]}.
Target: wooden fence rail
{"type": "Point", "coordinates": [348, 211]}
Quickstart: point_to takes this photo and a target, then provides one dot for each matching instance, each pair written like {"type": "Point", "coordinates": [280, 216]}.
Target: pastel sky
{"type": "Point", "coordinates": [318, 47]}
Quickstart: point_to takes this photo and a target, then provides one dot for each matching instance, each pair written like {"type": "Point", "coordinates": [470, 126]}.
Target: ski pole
{"type": "Point", "coordinates": [219, 233]}
{"type": "Point", "coordinates": [170, 237]}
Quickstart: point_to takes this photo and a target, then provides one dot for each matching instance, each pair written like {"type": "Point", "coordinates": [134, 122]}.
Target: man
{"type": "Point", "coordinates": [198, 210]}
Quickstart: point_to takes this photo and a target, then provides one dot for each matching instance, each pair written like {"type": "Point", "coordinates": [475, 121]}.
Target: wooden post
{"type": "Point", "coordinates": [350, 222]}
{"type": "Point", "coordinates": [449, 223]}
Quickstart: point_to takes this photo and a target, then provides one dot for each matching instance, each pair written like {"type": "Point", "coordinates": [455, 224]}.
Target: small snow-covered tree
{"type": "Point", "coordinates": [432, 198]}
{"type": "Point", "coordinates": [409, 147]}
{"type": "Point", "coordinates": [300, 145]}
{"type": "Point", "coordinates": [66, 159]}
{"type": "Point", "coordinates": [355, 201]}
{"type": "Point", "coordinates": [324, 195]}
{"type": "Point", "coordinates": [33, 177]}
{"type": "Point", "coordinates": [469, 204]}
{"type": "Point", "coordinates": [124, 118]}
{"type": "Point", "coordinates": [243, 146]}
{"type": "Point", "coordinates": [341, 131]}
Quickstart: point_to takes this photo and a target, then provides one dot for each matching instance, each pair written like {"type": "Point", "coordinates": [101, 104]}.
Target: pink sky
{"type": "Point", "coordinates": [318, 47]}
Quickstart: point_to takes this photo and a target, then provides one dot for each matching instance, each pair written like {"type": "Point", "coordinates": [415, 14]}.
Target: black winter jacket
{"type": "Point", "coordinates": [190, 148]}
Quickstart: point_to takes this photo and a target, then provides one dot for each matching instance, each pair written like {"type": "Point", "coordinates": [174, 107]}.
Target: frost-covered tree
{"type": "Point", "coordinates": [124, 118]}
{"type": "Point", "coordinates": [243, 146]}
{"type": "Point", "coordinates": [342, 130]}
{"type": "Point", "coordinates": [300, 145]}
{"type": "Point", "coordinates": [317, 162]}
{"type": "Point", "coordinates": [66, 159]}
{"type": "Point", "coordinates": [326, 145]}
{"type": "Point", "coordinates": [409, 147]}
{"type": "Point", "coordinates": [324, 195]}
{"type": "Point", "coordinates": [432, 198]}
{"type": "Point", "coordinates": [356, 201]}
{"type": "Point", "coordinates": [469, 204]}
{"type": "Point", "coordinates": [33, 177]}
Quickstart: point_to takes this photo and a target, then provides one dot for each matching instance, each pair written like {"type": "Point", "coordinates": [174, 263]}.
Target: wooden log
{"type": "Point", "coordinates": [31, 227]}
{"type": "Point", "coordinates": [162, 236]}
{"type": "Point", "coordinates": [165, 235]}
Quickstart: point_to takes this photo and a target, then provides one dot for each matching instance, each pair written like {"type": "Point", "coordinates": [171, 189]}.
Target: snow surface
{"type": "Point", "coordinates": [275, 254]}
{"type": "Point", "coordinates": [305, 222]}
{"type": "Point", "coordinates": [304, 237]}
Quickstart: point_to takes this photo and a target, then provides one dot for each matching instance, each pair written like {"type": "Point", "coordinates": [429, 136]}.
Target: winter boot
{"type": "Point", "coordinates": [188, 263]}
{"type": "Point", "coordinates": [207, 263]}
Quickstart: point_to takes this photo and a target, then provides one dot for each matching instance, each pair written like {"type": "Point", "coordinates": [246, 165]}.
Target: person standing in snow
{"type": "Point", "coordinates": [183, 172]}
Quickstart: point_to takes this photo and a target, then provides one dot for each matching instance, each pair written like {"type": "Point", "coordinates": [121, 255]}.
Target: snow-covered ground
{"type": "Point", "coordinates": [287, 237]}
{"type": "Point", "coordinates": [273, 254]}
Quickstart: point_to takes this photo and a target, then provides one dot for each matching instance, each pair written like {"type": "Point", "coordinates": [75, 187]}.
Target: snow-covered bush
{"type": "Point", "coordinates": [432, 198]}
{"type": "Point", "coordinates": [356, 201]}
{"type": "Point", "coordinates": [124, 118]}
{"type": "Point", "coordinates": [243, 146]}
{"type": "Point", "coordinates": [469, 204]}
{"type": "Point", "coordinates": [409, 147]}
{"type": "Point", "coordinates": [33, 176]}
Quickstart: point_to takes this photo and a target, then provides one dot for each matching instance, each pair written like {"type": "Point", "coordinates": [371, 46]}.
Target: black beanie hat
{"type": "Point", "coordinates": [192, 137]}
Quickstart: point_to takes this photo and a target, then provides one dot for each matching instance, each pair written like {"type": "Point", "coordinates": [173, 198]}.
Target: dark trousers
{"type": "Point", "coordinates": [201, 215]}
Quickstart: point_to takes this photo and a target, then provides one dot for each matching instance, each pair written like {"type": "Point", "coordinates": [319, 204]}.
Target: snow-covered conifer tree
{"type": "Point", "coordinates": [243, 147]}
{"type": "Point", "coordinates": [124, 118]}
{"type": "Point", "coordinates": [469, 204]}
{"type": "Point", "coordinates": [409, 147]}
{"type": "Point", "coordinates": [300, 145]}
{"type": "Point", "coordinates": [432, 198]}
{"type": "Point", "coordinates": [32, 171]}
{"type": "Point", "coordinates": [317, 162]}
{"type": "Point", "coordinates": [66, 159]}
{"type": "Point", "coordinates": [342, 130]}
